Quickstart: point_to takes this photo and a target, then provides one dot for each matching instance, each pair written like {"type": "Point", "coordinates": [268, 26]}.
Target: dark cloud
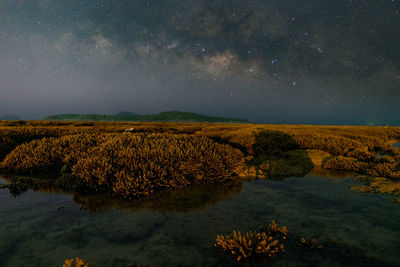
{"type": "Point", "coordinates": [280, 61]}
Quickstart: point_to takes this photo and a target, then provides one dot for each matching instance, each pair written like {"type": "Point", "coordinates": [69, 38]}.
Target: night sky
{"type": "Point", "coordinates": [272, 61]}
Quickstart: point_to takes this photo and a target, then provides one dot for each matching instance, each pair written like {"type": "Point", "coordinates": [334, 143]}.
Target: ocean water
{"type": "Point", "coordinates": [357, 229]}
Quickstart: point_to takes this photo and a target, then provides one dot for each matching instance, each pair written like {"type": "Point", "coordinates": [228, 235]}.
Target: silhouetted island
{"type": "Point", "coordinates": [170, 116]}
{"type": "Point", "coordinates": [9, 118]}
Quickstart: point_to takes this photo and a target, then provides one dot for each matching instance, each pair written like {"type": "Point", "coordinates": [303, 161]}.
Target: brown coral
{"type": "Point", "coordinates": [251, 244]}
{"type": "Point", "coordinates": [77, 262]}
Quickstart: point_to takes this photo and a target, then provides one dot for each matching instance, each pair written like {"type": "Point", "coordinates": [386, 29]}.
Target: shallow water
{"type": "Point", "coordinates": [43, 229]}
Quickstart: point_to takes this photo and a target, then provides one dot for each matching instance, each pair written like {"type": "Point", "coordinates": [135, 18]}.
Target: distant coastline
{"type": "Point", "coordinates": [169, 116]}
{"type": "Point", "coordinates": [9, 118]}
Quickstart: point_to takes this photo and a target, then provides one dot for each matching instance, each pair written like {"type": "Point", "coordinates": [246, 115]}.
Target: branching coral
{"type": "Point", "coordinates": [310, 243]}
{"type": "Point", "coordinates": [251, 244]}
{"type": "Point", "coordinates": [77, 262]}
{"type": "Point", "coordinates": [205, 152]}
{"type": "Point", "coordinates": [275, 230]}
{"type": "Point", "coordinates": [129, 165]}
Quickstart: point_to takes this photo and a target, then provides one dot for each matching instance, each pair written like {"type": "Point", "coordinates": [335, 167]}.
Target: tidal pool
{"type": "Point", "coordinates": [357, 229]}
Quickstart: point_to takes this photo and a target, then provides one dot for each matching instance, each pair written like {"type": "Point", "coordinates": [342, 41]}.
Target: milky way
{"type": "Point", "coordinates": [294, 61]}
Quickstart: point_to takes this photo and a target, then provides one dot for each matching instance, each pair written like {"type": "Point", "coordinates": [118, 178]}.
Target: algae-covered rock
{"type": "Point", "coordinates": [295, 163]}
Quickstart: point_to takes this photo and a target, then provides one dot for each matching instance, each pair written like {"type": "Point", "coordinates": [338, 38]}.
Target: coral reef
{"type": "Point", "coordinates": [251, 244]}
{"type": "Point", "coordinates": [77, 262]}
{"type": "Point", "coordinates": [96, 152]}
{"type": "Point", "coordinates": [317, 157]}
{"type": "Point", "coordinates": [276, 154]}
{"type": "Point", "coordinates": [379, 185]}
{"type": "Point", "coordinates": [129, 165]}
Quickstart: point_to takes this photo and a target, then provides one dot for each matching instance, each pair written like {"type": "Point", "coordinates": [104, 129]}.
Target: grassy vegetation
{"type": "Point", "coordinates": [138, 159]}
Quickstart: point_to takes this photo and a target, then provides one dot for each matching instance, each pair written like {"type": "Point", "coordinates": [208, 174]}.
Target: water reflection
{"type": "Point", "coordinates": [354, 229]}
{"type": "Point", "coordinates": [329, 174]}
{"type": "Point", "coordinates": [193, 198]}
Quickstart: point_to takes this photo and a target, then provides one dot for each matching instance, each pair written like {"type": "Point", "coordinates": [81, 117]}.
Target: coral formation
{"type": "Point", "coordinates": [129, 165]}
{"type": "Point", "coordinates": [77, 262]}
{"type": "Point", "coordinates": [270, 150]}
{"type": "Point", "coordinates": [310, 243]}
{"type": "Point", "coordinates": [379, 185]}
{"type": "Point", "coordinates": [251, 244]}
{"type": "Point", "coordinates": [276, 154]}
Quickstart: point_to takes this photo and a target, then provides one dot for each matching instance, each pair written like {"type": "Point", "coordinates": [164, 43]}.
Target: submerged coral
{"type": "Point", "coordinates": [379, 185]}
{"type": "Point", "coordinates": [310, 243]}
{"type": "Point", "coordinates": [77, 262]}
{"type": "Point", "coordinates": [251, 244]}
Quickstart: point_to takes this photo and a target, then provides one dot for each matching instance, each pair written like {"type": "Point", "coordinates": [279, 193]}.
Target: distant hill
{"type": "Point", "coordinates": [170, 116]}
{"type": "Point", "coordinates": [10, 118]}
{"type": "Point", "coordinates": [126, 113]}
